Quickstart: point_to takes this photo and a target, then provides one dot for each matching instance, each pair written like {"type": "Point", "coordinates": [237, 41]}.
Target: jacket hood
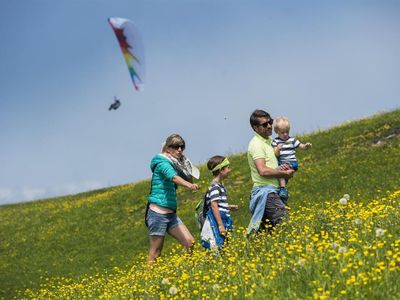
{"type": "Point", "coordinates": [157, 159]}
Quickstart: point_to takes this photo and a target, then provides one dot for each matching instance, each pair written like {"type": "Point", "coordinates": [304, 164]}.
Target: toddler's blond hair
{"type": "Point", "coordinates": [281, 123]}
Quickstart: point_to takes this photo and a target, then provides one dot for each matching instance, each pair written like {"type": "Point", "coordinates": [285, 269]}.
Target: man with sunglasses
{"type": "Point", "coordinates": [266, 206]}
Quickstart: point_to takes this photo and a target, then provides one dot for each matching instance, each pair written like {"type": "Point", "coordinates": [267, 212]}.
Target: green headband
{"type": "Point", "coordinates": [224, 163]}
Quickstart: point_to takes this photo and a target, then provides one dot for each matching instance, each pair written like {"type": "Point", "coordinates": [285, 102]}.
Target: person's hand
{"type": "Point", "coordinates": [222, 229]}
{"type": "Point", "coordinates": [285, 167]}
{"type": "Point", "coordinates": [280, 146]}
{"type": "Point", "coordinates": [233, 207]}
{"type": "Point", "coordinates": [288, 173]}
{"type": "Point", "coordinates": [193, 187]}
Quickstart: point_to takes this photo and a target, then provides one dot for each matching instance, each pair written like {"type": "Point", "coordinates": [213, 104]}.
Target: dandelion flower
{"type": "Point", "coordinates": [358, 221]}
{"type": "Point", "coordinates": [379, 232]}
{"type": "Point", "coordinates": [346, 196]}
{"type": "Point", "coordinates": [216, 287]}
{"type": "Point", "coordinates": [301, 262]}
{"type": "Point", "coordinates": [342, 249]}
{"type": "Point", "coordinates": [173, 290]}
{"type": "Point", "coordinates": [343, 201]}
{"type": "Point", "coordinates": [165, 281]}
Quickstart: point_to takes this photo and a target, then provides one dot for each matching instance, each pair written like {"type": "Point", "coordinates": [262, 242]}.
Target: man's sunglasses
{"type": "Point", "coordinates": [177, 146]}
{"type": "Point", "coordinates": [265, 125]}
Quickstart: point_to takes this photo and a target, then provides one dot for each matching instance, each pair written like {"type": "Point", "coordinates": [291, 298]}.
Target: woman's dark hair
{"type": "Point", "coordinates": [213, 162]}
{"type": "Point", "coordinates": [258, 113]}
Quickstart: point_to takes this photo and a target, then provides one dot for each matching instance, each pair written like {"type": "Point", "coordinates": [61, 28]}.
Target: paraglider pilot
{"type": "Point", "coordinates": [115, 105]}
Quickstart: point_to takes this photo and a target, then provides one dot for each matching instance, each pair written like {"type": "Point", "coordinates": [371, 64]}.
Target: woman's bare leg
{"type": "Point", "coordinates": [183, 235]}
{"type": "Point", "coordinates": [156, 245]}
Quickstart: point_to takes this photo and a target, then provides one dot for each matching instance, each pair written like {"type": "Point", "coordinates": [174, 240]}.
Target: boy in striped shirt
{"type": "Point", "coordinates": [285, 150]}
{"type": "Point", "coordinates": [218, 219]}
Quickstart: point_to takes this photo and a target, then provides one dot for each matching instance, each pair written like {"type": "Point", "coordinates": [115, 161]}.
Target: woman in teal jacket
{"type": "Point", "coordinates": [161, 214]}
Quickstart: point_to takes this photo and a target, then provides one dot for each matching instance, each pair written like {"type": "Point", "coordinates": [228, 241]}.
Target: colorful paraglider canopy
{"type": "Point", "coordinates": [132, 48]}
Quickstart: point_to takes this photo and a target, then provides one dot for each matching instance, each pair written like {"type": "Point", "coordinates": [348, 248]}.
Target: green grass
{"type": "Point", "coordinates": [90, 233]}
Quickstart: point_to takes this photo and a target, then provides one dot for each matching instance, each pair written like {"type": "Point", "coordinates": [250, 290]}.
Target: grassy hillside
{"type": "Point", "coordinates": [83, 235]}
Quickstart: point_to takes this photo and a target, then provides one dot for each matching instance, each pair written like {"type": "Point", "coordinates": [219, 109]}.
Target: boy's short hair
{"type": "Point", "coordinates": [281, 123]}
{"type": "Point", "coordinates": [213, 162]}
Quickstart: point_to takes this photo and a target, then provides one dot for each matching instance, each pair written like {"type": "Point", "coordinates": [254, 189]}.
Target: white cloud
{"type": "Point", "coordinates": [92, 185]}
{"type": "Point", "coordinates": [9, 195]}
{"type": "Point", "coordinates": [74, 188]}
{"type": "Point", "coordinates": [29, 193]}
{"type": "Point", "coordinates": [6, 194]}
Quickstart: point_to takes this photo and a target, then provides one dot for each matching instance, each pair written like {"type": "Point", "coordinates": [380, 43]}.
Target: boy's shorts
{"type": "Point", "coordinates": [293, 164]}
{"type": "Point", "coordinates": [159, 224]}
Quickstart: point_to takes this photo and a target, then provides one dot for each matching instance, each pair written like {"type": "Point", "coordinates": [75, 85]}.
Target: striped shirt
{"type": "Point", "coordinates": [217, 192]}
{"type": "Point", "coordinates": [288, 151]}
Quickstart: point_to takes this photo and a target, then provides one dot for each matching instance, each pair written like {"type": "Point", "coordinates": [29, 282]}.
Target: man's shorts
{"type": "Point", "coordinates": [159, 224]}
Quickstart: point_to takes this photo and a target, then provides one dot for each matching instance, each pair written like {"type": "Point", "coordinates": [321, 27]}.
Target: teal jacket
{"type": "Point", "coordinates": [163, 189]}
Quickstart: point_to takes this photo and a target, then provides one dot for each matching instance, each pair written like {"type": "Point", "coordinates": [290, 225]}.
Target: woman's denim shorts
{"type": "Point", "coordinates": [159, 224]}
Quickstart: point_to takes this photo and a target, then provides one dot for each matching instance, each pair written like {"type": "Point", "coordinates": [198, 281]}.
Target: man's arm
{"type": "Point", "coordinates": [283, 172]}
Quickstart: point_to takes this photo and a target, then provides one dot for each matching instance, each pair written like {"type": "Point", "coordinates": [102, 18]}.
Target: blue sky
{"type": "Point", "coordinates": [209, 64]}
